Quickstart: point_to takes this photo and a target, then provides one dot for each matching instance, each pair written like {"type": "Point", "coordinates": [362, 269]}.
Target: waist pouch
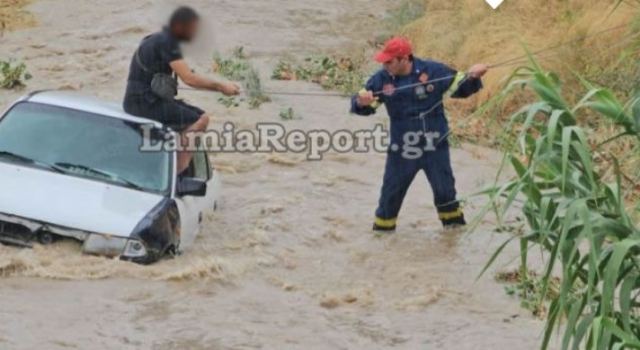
{"type": "Point", "coordinates": [163, 85]}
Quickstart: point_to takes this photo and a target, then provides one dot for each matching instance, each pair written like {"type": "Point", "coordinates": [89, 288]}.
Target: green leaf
{"type": "Point", "coordinates": [575, 312]}
{"type": "Point", "coordinates": [596, 332]}
{"type": "Point", "coordinates": [625, 300]}
{"type": "Point", "coordinates": [495, 256]}
{"type": "Point", "coordinates": [604, 102]}
{"type": "Point", "coordinates": [630, 340]}
{"type": "Point", "coordinates": [548, 90]}
{"type": "Point", "coordinates": [552, 128]}
{"type": "Point", "coordinates": [581, 331]}
{"type": "Point", "coordinates": [612, 273]}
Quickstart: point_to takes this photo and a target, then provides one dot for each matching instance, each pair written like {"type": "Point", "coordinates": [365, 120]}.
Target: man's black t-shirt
{"type": "Point", "coordinates": [155, 52]}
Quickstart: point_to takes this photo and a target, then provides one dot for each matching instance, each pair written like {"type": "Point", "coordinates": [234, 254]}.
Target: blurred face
{"type": "Point", "coordinates": [398, 66]}
{"type": "Point", "coordinates": [186, 31]}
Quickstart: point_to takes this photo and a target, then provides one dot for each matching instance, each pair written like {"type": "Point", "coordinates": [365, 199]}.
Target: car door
{"type": "Point", "coordinates": [194, 209]}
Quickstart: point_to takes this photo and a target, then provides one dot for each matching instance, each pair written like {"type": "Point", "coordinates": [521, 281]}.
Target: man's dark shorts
{"type": "Point", "coordinates": [176, 114]}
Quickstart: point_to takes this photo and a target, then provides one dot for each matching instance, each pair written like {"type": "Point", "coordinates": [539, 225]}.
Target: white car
{"type": "Point", "coordinates": [71, 166]}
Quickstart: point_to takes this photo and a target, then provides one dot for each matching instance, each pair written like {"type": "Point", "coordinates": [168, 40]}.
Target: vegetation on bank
{"type": "Point", "coordinates": [611, 59]}
{"type": "Point", "coordinates": [13, 15]}
{"type": "Point", "coordinates": [578, 219]}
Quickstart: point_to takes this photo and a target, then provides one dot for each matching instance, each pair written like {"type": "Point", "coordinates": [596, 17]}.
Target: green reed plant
{"type": "Point", "coordinates": [588, 237]}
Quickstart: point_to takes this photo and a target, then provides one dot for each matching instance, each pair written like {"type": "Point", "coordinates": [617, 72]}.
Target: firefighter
{"type": "Point", "coordinates": [413, 90]}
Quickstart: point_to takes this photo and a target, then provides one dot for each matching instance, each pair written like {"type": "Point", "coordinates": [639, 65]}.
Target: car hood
{"type": "Point", "coordinates": [71, 201]}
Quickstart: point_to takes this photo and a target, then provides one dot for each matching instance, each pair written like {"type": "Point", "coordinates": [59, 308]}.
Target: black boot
{"type": "Point", "coordinates": [454, 223]}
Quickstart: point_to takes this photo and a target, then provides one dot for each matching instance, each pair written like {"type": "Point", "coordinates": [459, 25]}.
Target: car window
{"type": "Point", "coordinates": [84, 144]}
{"type": "Point", "coordinates": [200, 166]}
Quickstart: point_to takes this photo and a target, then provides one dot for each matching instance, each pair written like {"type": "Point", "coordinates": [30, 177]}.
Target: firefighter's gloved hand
{"type": "Point", "coordinates": [366, 98]}
{"type": "Point", "coordinates": [477, 71]}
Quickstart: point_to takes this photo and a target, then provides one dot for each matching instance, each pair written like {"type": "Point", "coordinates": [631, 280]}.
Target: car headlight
{"type": "Point", "coordinates": [104, 245]}
{"type": "Point", "coordinates": [134, 249]}
{"type": "Point", "coordinates": [114, 246]}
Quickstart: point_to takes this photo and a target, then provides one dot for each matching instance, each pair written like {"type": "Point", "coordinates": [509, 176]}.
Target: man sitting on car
{"type": "Point", "coordinates": [159, 54]}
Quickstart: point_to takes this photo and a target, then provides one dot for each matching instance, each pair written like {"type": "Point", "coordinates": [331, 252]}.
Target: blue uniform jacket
{"type": "Point", "coordinates": [406, 106]}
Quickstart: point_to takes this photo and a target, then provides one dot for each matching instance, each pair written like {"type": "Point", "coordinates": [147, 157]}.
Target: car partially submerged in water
{"type": "Point", "coordinates": [72, 167]}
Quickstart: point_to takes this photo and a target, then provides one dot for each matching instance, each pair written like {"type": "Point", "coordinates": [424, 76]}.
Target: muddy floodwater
{"type": "Point", "coordinates": [288, 261]}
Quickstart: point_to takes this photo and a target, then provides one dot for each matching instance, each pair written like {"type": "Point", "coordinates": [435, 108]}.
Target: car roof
{"type": "Point", "coordinates": [78, 101]}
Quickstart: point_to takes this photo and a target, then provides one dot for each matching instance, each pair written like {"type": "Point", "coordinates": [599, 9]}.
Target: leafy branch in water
{"type": "Point", "coordinates": [229, 101]}
{"type": "Point", "coordinates": [13, 76]}
{"type": "Point", "coordinates": [238, 68]}
{"type": "Point", "coordinates": [288, 114]}
{"type": "Point", "coordinates": [332, 73]}
{"type": "Point", "coordinates": [253, 88]}
{"type": "Point", "coordinates": [232, 68]}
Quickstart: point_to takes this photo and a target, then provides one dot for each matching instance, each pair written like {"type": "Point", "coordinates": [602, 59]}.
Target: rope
{"type": "Point", "coordinates": [509, 62]}
{"type": "Point", "coordinates": [287, 93]}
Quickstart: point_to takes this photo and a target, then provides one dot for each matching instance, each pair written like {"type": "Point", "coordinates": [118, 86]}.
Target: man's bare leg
{"type": "Point", "coordinates": [184, 158]}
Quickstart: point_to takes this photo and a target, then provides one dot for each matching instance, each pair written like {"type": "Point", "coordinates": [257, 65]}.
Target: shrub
{"type": "Point", "coordinates": [13, 76]}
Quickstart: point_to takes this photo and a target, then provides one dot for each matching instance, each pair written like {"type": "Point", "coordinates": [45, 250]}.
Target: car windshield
{"type": "Point", "coordinates": [82, 144]}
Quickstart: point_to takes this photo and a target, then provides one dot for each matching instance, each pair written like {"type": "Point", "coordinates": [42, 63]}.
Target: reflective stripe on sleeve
{"type": "Point", "coordinates": [456, 84]}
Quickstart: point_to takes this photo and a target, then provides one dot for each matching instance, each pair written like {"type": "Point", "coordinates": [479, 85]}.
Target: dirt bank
{"type": "Point", "coordinates": [13, 15]}
{"type": "Point", "coordinates": [289, 261]}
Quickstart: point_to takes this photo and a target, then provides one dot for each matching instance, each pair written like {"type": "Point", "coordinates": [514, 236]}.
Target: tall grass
{"type": "Point", "coordinates": [578, 220]}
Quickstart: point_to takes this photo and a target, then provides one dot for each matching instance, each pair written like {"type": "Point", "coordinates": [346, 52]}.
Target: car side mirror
{"type": "Point", "coordinates": [189, 186]}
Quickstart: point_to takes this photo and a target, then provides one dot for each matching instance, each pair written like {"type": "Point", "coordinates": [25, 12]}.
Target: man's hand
{"type": "Point", "coordinates": [477, 71]}
{"type": "Point", "coordinates": [230, 89]}
{"type": "Point", "coordinates": [365, 98]}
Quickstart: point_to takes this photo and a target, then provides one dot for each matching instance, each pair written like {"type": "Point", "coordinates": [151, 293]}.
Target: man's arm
{"type": "Point", "coordinates": [181, 68]}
